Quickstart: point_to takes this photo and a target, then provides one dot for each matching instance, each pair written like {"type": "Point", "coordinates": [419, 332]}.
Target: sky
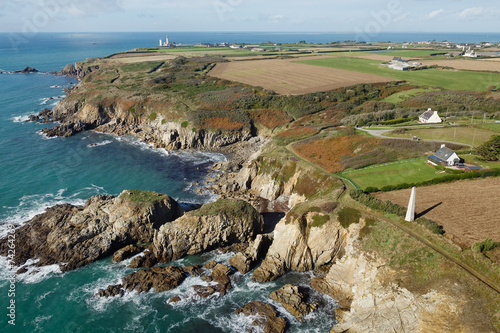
{"type": "Point", "coordinates": [368, 16]}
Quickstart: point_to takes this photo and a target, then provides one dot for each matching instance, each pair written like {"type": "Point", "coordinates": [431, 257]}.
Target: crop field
{"type": "Point", "coordinates": [466, 64]}
{"type": "Point", "coordinates": [466, 209]}
{"type": "Point", "coordinates": [448, 79]}
{"type": "Point", "coordinates": [393, 173]}
{"type": "Point", "coordinates": [467, 135]}
{"type": "Point", "coordinates": [290, 78]}
{"type": "Point", "coordinates": [411, 53]}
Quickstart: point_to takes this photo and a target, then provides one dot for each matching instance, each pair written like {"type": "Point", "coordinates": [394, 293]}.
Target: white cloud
{"type": "Point", "coordinates": [471, 12]}
{"type": "Point", "coordinates": [435, 13]}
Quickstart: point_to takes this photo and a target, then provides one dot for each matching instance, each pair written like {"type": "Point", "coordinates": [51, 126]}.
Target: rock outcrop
{"type": "Point", "coordinates": [293, 300]}
{"type": "Point", "coordinates": [157, 278]}
{"type": "Point", "coordinates": [300, 246]}
{"type": "Point", "coordinates": [26, 70]}
{"type": "Point", "coordinates": [243, 261]}
{"type": "Point", "coordinates": [125, 253]}
{"type": "Point", "coordinates": [214, 225]}
{"type": "Point", "coordinates": [73, 236]}
{"type": "Point", "coordinates": [370, 304]}
{"type": "Point", "coordinates": [267, 319]}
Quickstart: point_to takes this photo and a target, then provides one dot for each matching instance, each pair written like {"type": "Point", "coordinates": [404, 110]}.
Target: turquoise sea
{"type": "Point", "coordinates": [36, 173]}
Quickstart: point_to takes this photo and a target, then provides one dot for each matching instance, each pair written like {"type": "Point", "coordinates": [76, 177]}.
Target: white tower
{"type": "Point", "coordinates": [410, 214]}
{"type": "Point", "coordinates": [161, 44]}
{"type": "Point", "coordinates": [167, 43]}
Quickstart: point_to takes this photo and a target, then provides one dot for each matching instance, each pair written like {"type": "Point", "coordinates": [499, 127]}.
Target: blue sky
{"type": "Point", "coordinates": [250, 15]}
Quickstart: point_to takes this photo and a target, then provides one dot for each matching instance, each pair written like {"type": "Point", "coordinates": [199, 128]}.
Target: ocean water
{"type": "Point", "coordinates": [36, 173]}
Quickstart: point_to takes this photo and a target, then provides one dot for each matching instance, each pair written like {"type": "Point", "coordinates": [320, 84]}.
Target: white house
{"type": "Point", "coordinates": [429, 117]}
{"type": "Point", "coordinates": [444, 156]}
{"type": "Point", "coordinates": [470, 53]}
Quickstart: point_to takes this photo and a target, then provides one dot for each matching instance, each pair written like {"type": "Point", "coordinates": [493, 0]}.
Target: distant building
{"type": "Point", "coordinates": [234, 46]}
{"type": "Point", "coordinates": [400, 64]}
{"type": "Point", "coordinates": [167, 43]}
{"type": "Point", "coordinates": [429, 117]}
{"type": "Point", "coordinates": [445, 157]}
{"type": "Point", "coordinates": [470, 53]}
{"type": "Point", "coordinates": [257, 49]}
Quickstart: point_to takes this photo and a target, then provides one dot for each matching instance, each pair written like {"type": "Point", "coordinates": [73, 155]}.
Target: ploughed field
{"type": "Point", "coordinates": [468, 209]}
{"type": "Point", "coordinates": [288, 78]}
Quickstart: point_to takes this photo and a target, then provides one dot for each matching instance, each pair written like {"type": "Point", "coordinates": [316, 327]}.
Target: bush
{"type": "Point", "coordinates": [184, 124]}
{"type": "Point", "coordinates": [319, 220]}
{"type": "Point", "coordinates": [486, 245]}
{"type": "Point", "coordinates": [369, 222]}
{"type": "Point", "coordinates": [431, 225]}
{"type": "Point", "coordinates": [371, 189]}
{"type": "Point", "coordinates": [152, 116]}
{"type": "Point", "coordinates": [348, 216]}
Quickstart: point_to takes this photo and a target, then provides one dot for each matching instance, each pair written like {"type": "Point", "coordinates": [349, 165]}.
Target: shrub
{"type": "Point", "coordinates": [486, 245]}
{"type": "Point", "coordinates": [152, 116]}
{"type": "Point", "coordinates": [371, 189]}
{"type": "Point", "coordinates": [184, 124]}
{"type": "Point", "coordinates": [348, 216]}
{"type": "Point", "coordinates": [490, 150]}
{"type": "Point", "coordinates": [319, 220]}
{"type": "Point", "coordinates": [164, 121]}
{"type": "Point", "coordinates": [369, 222]}
{"type": "Point", "coordinates": [329, 206]}
{"type": "Point", "coordinates": [431, 225]}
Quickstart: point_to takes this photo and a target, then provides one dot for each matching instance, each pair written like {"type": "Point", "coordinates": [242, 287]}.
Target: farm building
{"type": "Point", "coordinates": [445, 157]}
{"type": "Point", "coordinates": [429, 117]}
{"type": "Point", "coordinates": [400, 64]}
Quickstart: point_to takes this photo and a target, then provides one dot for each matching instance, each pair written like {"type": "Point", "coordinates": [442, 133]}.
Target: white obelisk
{"type": "Point", "coordinates": [410, 214]}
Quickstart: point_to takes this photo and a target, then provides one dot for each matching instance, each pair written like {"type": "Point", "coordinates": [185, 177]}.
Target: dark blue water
{"type": "Point", "coordinates": [36, 172]}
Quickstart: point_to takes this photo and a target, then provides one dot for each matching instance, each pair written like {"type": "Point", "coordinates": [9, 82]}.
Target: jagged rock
{"type": "Point", "coordinates": [217, 224]}
{"type": "Point", "coordinates": [69, 70]}
{"type": "Point", "coordinates": [147, 260]}
{"type": "Point", "coordinates": [300, 247]}
{"type": "Point", "coordinates": [293, 300]}
{"type": "Point", "coordinates": [243, 262]}
{"type": "Point", "coordinates": [125, 253]}
{"type": "Point", "coordinates": [267, 318]}
{"type": "Point", "coordinates": [27, 70]}
{"type": "Point", "coordinates": [33, 118]}
{"type": "Point", "coordinates": [220, 275]}
{"type": "Point", "coordinates": [77, 236]}
{"type": "Point", "coordinates": [66, 129]}
{"type": "Point", "coordinates": [111, 291]}
{"type": "Point", "coordinates": [211, 264]}
{"type": "Point", "coordinates": [193, 270]}
{"type": "Point", "coordinates": [157, 278]}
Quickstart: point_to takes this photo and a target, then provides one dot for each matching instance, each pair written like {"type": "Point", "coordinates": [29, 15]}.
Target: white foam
{"type": "Point", "coordinates": [35, 274]}
{"type": "Point", "coordinates": [103, 143]}
{"type": "Point", "coordinates": [55, 86]}
{"type": "Point", "coordinates": [20, 119]}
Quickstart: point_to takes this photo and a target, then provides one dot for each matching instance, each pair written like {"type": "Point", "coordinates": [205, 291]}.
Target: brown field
{"type": "Point", "coordinates": [472, 65]}
{"type": "Point", "coordinates": [132, 58]}
{"type": "Point", "coordinates": [287, 78]}
{"type": "Point", "coordinates": [469, 209]}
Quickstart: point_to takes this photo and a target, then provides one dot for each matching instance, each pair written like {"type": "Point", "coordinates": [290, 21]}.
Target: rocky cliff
{"type": "Point", "coordinates": [77, 116]}
{"type": "Point", "coordinates": [75, 236]}
{"type": "Point", "coordinates": [217, 224]}
{"type": "Point", "coordinates": [299, 245]}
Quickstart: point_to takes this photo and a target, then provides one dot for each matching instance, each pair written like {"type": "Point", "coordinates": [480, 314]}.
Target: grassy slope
{"type": "Point", "coordinates": [394, 173]}
{"type": "Point", "coordinates": [404, 95]}
{"type": "Point", "coordinates": [452, 80]}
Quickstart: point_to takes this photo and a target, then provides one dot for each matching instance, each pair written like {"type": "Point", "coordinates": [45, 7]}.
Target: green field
{"type": "Point", "coordinates": [466, 135]}
{"type": "Point", "coordinates": [394, 173]}
{"type": "Point", "coordinates": [410, 53]}
{"type": "Point", "coordinates": [452, 80]}
{"type": "Point", "coordinates": [407, 94]}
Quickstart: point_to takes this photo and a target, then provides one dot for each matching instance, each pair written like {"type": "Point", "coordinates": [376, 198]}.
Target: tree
{"type": "Point", "coordinates": [490, 150]}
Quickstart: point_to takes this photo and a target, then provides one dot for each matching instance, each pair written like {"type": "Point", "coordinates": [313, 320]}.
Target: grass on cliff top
{"type": "Point", "coordinates": [232, 207]}
{"type": "Point", "coordinates": [421, 270]}
{"type": "Point", "coordinates": [142, 197]}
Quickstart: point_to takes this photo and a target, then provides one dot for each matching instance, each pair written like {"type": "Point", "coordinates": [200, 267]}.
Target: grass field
{"type": "Point", "coordinates": [466, 209]}
{"type": "Point", "coordinates": [394, 173]}
{"type": "Point", "coordinates": [466, 135]}
{"type": "Point", "coordinates": [452, 80]}
{"type": "Point", "coordinates": [290, 78]}
{"type": "Point", "coordinates": [407, 94]}
{"type": "Point", "coordinates": [410, 53]}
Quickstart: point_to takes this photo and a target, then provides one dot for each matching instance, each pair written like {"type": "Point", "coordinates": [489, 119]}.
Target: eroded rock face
{"type": "Point", "coordinates": [157, 278]}
{"type": "Point", "coordinates": [267, 318]}
{"type": "Point", "coordinates": [76, 236]}
{"type": "Point", "coordinates": [370, 304]}
{"type": "Point", "coordinates": [243, 261]}
{"type": "Point", "coordinates": [215, 225]}
{"type": "Point", "coordinates": [293, 300]}
{"type": "Point", "coordinates": [299, 246]}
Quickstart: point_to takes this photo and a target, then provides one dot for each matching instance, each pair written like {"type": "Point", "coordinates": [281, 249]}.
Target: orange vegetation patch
{"type": "Point", "coordinates": [289, 78]}
{"type": "Point", "coordinates": [270, 118]}
{"type": "Point", "coordinates": [297, 132]}
{"type": "Point", "coordinates": [222, 123]}
{"type": "Point", "coordinates": [467, 209]}
{"type": "Point", "coordinates": [329, 153]}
